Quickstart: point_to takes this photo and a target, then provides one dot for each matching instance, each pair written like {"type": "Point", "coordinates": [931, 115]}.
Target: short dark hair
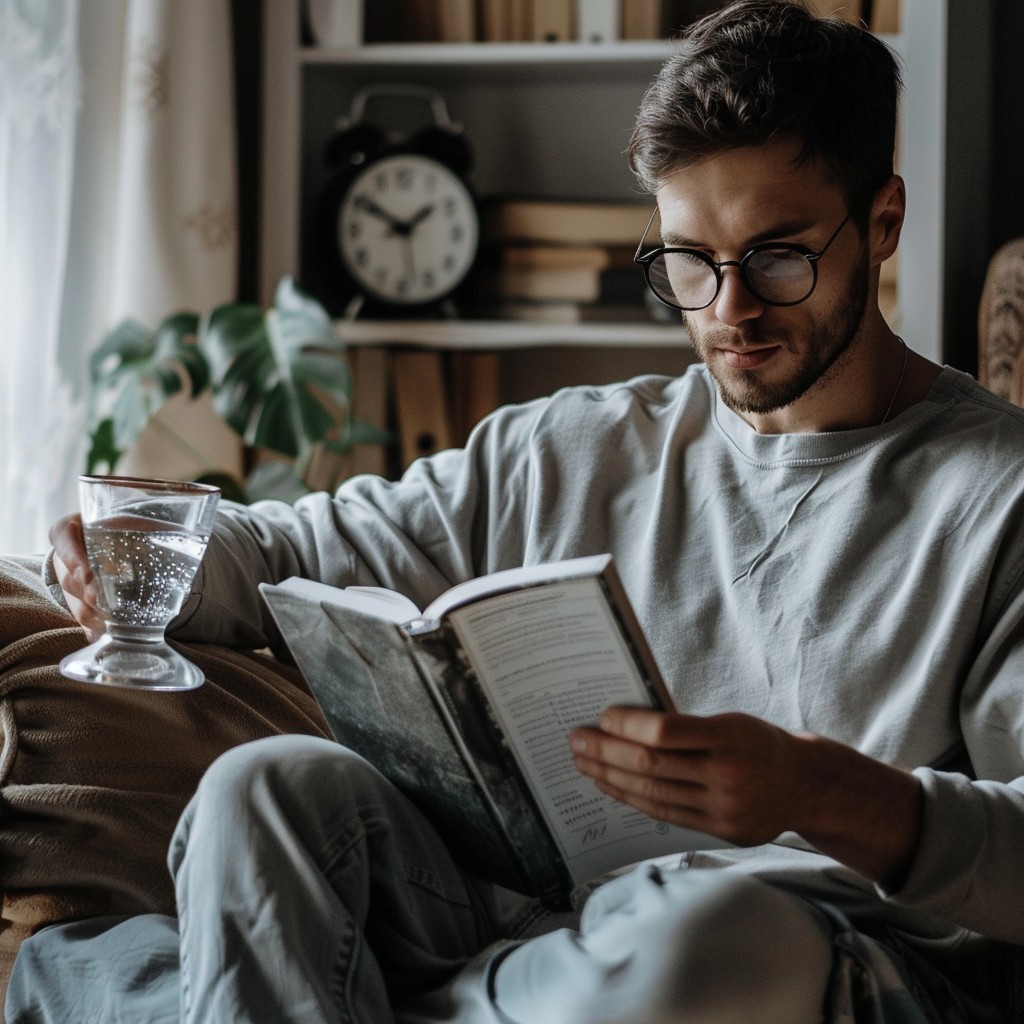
{"type": "Point", "coordinates": [760, 70]}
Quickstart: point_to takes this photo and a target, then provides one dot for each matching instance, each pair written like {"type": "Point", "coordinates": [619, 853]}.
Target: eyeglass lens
{"type": "Point", "coordinates": [779, 276]}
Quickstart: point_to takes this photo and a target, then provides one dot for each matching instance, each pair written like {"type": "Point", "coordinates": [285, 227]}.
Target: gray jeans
{"type": "Point", "coordinates": [309, 890]}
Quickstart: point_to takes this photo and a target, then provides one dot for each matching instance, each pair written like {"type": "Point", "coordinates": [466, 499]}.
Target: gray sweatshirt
{"type": "Point", "coordinates": [864, 585]}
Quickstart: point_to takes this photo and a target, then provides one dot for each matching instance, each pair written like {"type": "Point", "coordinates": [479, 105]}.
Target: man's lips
{"type": "Point", "coordinates": [748, 358]}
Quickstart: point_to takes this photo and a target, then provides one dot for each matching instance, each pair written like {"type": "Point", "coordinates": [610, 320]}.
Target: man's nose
{"type": "Point", "coordinates": [735, 302]}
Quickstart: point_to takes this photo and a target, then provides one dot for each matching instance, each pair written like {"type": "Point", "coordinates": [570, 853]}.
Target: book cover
{"type": "Point", "coordinates": [467, 707]}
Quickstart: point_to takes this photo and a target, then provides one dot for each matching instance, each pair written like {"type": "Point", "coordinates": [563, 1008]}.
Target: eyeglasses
{"type": "Point", "coordinates": [776, 273]}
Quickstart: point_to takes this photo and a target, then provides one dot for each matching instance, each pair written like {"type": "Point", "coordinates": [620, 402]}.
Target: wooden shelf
{"type": "Point", "coordinates": [495, 335]}
{"type": "Point", "coordinates": [500, 55]}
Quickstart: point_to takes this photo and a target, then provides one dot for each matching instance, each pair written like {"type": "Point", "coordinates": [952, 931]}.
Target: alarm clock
{"type": "Point", "coordinates": [399, 222]}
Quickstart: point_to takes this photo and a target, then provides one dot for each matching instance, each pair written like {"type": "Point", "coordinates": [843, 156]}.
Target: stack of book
{"type": "Point", "coordinates": [561, 261]}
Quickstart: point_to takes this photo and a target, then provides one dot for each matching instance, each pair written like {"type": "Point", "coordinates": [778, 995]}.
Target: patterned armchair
{"type": "Point", "coordinates": [1001, 324]}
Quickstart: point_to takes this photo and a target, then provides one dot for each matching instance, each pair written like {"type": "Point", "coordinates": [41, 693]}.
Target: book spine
{"type": "Point", "coordinates": [551, 21]}
{"type": "Point", "coordinates": [597, 21]}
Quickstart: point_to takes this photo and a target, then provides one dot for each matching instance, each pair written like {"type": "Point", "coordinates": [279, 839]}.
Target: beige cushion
{"type": "Point", "coordinates": [92, 778]}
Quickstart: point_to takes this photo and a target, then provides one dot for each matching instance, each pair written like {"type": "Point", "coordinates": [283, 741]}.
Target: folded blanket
{"type": "Point", "coordinates": [93, 778]}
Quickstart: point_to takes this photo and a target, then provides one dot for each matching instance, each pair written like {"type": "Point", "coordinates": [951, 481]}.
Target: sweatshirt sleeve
{"type": "Point", "coordinates": [967, 868]}
{"type": "Point", "coordinates": [452, 516]}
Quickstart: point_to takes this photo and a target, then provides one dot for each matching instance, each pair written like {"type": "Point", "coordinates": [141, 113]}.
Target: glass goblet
{"type": "Point", "coordinates": [145, 540]}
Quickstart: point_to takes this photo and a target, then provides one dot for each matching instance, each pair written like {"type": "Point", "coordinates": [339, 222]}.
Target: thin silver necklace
{"type": "Point", "coordinates": [899, 383]}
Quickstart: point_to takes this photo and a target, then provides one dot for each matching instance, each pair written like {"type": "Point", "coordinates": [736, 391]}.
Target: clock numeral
{"type": "Point", "coordinates": [362, 257]}
{"type": "Point", "coordinates": [404, 178]}
{"type": "Point", "coordinates": [428, 279]}
{"type": "Point", "coordinates": [380, 181]}
{"type": "Point", "coordinates": [449, 263]}
{"type": "Point", "coordinates": [458, 233]}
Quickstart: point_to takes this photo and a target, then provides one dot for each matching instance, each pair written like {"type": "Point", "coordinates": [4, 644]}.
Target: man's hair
{"type": "Point", "coordinates": [760, 70]}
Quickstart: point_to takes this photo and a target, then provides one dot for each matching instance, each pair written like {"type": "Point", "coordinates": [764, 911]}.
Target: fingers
{"type": "Point", "coordinates": [670, 731]}
{"type": "Point", "coordinates": [724, 774]}
{"type": "Point", "coordinates": [71, 565]}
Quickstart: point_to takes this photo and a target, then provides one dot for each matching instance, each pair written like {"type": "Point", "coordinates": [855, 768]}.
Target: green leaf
{"type": "Point", "coordinates": [103, 452]}
{"type": "Point", "coordinates": [357, 432]}
{"type": "Point", "coordinates": [135, 370]}
{"type": "Point", "coordinates": [280, 379]}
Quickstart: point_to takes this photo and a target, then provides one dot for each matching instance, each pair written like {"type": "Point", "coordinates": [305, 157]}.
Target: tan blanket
{"type": "Point", "coordinates": [93, 779]}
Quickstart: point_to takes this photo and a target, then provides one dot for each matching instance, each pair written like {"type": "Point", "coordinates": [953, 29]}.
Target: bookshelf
{"type": "Point", "coordinates": [554, 118]}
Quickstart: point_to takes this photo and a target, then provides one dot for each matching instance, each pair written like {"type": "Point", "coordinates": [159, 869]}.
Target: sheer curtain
{"type": "Point", "coordinates": [40, 413]}
{"type": "Point", "coordinates": [117, 198]}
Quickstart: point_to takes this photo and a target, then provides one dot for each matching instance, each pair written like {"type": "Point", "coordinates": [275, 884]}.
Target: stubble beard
{"type": "Point", "coordinates": [829, 337]}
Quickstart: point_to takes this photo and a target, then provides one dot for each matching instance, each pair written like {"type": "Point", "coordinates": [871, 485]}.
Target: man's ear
{"type": "Point", "coordinates": [887, 212]}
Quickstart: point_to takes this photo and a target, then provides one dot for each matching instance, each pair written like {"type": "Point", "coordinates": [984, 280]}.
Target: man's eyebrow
{"type": "Point", "coordinates": [776, 232]}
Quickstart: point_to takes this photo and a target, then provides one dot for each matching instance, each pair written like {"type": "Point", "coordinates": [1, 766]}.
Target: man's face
{"type": "Point", "coordinates": [763, 357]}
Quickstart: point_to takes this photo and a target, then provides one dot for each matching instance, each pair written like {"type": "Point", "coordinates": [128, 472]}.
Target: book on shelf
{"type": "Point", "coordinates": [494, 21]}
{"type": "Point", "coordinates": [565, 312]}
{"type": "Point", "coordinates": [846, 10]}
{"type": "Point", "coordinates": [550, 256]}
{"type": "Point", "coordinates": [885, 16]}
{"type": "Point", "coordinates": [559, 273]}
{"type": "Point", "coordinates": [641, 19]}
{"type": "Point", "coordinates": [564, 221]}
{"type": "Point", "coordinates": [456, 21]}
{"type": "Point", "coordinates": [597, 21]}
{"type": "Point", "coordinates": [551, 21]}
{"type": "Point", "coordinates": [467, 705]}
{"type": "Point", "coordinates": [577, 283]}
{"type": "Point", "coordinates": [427, 21]}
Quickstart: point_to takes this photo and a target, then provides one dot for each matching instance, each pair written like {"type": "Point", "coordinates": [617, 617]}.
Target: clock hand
{"type": "Point", "coordinates": [367, 204]}
{"type": "Point", "coordinates": [421, 215]}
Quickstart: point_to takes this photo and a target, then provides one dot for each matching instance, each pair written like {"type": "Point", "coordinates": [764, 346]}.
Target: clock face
{"type": "Point", "coordinates": [408, 230]}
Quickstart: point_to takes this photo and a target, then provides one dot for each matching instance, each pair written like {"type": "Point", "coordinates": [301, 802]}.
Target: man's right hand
{"type": "Point", "coordinates": [71, 566]}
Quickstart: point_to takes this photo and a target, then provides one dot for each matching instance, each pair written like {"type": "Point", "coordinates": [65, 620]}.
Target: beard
{"type": "Point", "coordinates": [827, 338]}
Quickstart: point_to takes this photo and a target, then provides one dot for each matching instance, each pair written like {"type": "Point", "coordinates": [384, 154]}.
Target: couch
{"type": "Point", "coordinates": [92, 782]}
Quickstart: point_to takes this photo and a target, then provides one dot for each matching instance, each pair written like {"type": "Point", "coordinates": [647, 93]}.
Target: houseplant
{"type": "Point", "coordinates": [278, 378]}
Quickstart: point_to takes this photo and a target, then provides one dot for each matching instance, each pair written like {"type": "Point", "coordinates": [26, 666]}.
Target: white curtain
{"type": "Point", "coordinates": [40, 415]}
{"type": "Point", "coordinates": [117, 198]}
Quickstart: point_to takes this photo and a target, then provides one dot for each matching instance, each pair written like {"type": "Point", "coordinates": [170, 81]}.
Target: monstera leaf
{"type": "Point", "coordinates": [281, 381]}
{"type": "Point", "coordinates": [134, 371]}
{"type": "Point", "coordinates": [279, 378]}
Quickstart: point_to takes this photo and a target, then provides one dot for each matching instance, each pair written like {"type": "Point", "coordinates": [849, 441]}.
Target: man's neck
{"type": "Point", "coordinates": [870, 383]}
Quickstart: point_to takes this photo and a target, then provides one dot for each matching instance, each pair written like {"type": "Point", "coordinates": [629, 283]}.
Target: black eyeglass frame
{"type": "Point", "coordinates": [811, 255]}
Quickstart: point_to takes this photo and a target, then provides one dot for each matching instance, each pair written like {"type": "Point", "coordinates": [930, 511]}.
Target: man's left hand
{"type": "Point", "coordinates": [746, 781]}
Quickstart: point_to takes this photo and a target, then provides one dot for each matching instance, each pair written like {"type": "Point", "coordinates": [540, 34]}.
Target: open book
{"type": "Point", "coordinates": [467, 706]}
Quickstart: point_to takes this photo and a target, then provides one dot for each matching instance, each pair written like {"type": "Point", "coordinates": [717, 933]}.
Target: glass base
{"type": "Point", "coordinates": [141, 665]}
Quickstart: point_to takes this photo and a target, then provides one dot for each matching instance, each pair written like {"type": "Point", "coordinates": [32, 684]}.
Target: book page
{"type": "Point", "coordinates": [506, 580]}
{"type": "Point", "coordinates": [552, 658]}
{"type": "Point", "coordinates": [385, 604]}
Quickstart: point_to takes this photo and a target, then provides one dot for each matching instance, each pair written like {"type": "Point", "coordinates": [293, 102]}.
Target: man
{"type": "Point", "coordinates": [819, 530]}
